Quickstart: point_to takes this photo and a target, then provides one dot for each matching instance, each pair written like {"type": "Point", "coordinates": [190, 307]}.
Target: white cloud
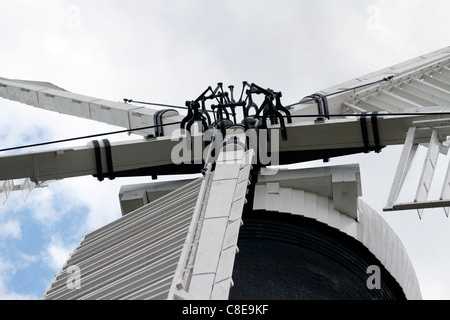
{"type": "Point", "coordinates": [56, 254]}
{"type": "Point", "coordinates": [42, 208]}
{"type": "Point", "coordinates": [8, 268]}
{"type": "Point", "coordinates": [25, 260]}
{"type": "Point", "coordinates": [10, 229]}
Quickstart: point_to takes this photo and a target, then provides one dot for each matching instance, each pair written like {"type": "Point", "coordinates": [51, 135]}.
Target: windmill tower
{"type": "Point", "coordinates": [249, 227]}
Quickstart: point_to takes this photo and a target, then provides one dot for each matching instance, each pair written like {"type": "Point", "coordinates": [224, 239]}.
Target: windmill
{"type": "Point", "coordinates": [299, 233]}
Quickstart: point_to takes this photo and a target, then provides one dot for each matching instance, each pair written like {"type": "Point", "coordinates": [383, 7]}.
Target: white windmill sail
{"type": "Point", "coordinates": [422, 82]}
{"type": "Point", "coordinates": [110, 161]}
{"type": "Point", "coordinates": [50, 97]}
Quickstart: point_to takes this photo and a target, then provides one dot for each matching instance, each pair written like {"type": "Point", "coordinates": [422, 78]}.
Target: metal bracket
{"type": "Point", "coordinates": [225, 110]}
{"type": "Point", "coordinates": [98, 160]}
{"type": "Point", "coordinates": [269, 110]}
{"type": "Point", "coordinates": [157, 120]}
{"type": "Point", "coordinates": [375, 132]}
{"type": "Point", "coordinates": [194, 115]}
{"type": "Point", "coordinates": [322, 106]}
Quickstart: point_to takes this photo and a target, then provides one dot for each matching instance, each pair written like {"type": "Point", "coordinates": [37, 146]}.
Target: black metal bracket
{"type": "Point", "coordinates": [98, 160]}
{"type": "Point", "coordinates": [158, 122]}
{"type": "Point", "coordinates": [375, 132]}
{"type": "Point", "coordinates": [194, 115]}
{"type": "Point", "coordinates": [271, 110]}
{"type": "Point", "coordinates": [225, 109]}
{"type": "Point", "coordinates": [322, 106]}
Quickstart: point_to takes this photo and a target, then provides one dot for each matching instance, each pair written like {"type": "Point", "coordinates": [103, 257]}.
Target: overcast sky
{"type": "Point", "coordinates": [169, 51]}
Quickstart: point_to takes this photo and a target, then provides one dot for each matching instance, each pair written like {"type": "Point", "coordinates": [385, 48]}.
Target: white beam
{"type": "Point", "coordinates": [419, 205]}
{"type": "Point", "coordinates": [50, 97]}
{"type": "Point", "coordinates": [72, 162]}
{"type": "Point", "coordinates": [303, 139]}
{"type": "Point", "coordinates": [445, 193]}
{"type": "Point", "coordinates": [402, 168]}
{"type": "Point", "coordinates": [429, 168]}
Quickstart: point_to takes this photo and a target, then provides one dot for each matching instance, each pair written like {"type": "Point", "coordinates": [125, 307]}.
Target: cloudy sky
{"type": "Point", "coordinates": [169, 51]}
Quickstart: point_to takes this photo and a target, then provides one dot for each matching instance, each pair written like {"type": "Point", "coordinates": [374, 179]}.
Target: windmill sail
{"type": "Point", "coordinates": [422, 82]}
{"type": "Point", "coordinates": [50, 97]}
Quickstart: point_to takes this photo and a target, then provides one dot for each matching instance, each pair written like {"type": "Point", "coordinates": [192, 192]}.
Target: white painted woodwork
{"type": "Point", "coordinates": [420, 82]}
{"type": "Point", "coordinates": [50, 97]}
{"type": "Point", "coordinates": [134, 257]}
{"type": "Point", "coordinates": [428, 171]}
{"type": "Point", "coordinates": [219, 220]}
{"type": "Point", "coordinates": [402, 168]}
{"type": "Point", "coordinates": [445, 193]}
